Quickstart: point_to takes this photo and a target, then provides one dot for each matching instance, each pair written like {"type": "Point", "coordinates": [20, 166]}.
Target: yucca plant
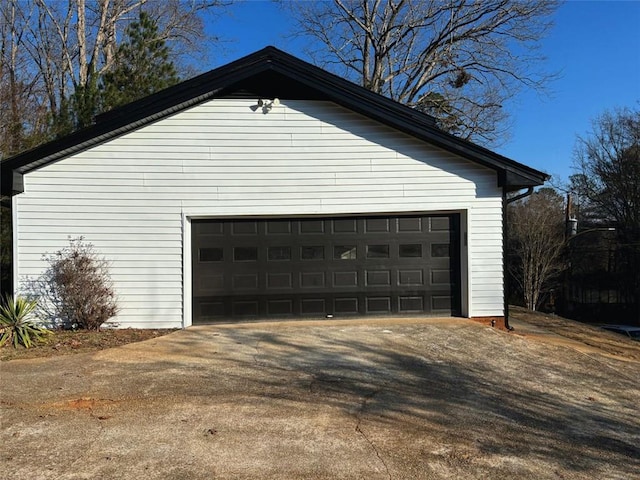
{"type": "Point", "coordinates": [17, 322]}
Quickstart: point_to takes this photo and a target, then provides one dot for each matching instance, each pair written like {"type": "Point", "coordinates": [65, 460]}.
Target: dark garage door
{"type": "Point", "coordinates": [313, 267]}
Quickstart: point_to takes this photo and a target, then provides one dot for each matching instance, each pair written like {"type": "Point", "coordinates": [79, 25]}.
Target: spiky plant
{"type": "Point", "coordinates": [17, 322]}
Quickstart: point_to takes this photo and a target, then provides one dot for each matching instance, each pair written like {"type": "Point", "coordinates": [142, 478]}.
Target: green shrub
{"type": "Point", "coordinates": [17, 322]}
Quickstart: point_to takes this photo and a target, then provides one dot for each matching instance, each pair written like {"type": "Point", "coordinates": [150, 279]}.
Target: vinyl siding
{"type": "Point", "coordinates": [221, 158]}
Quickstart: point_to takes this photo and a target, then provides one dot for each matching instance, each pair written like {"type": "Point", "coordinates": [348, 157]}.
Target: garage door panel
{"type": "Point", "coordinates": [378, 278]}
{"type": "Point", "coordinates": [211, 254]}
{"type": "Point", "coordinates": [209, 228]}
{"type": "Point", "coordinates": [279, 280]}
{"type": "Point", "coordinates": [209, 284]}
{"type": "Point", "coordinates": [313, 280]}
{"type": "Point", "coordinates": [410, 251]}
{"type": "Point", "coordinates": [211, 310]}
{"type": "Point", "coordinates": [410, 225]}
{"type": "Point", "coordinates": [345, 279]}
{"type": "Point", "coordinates": [280, 307]}
{"type": "Point", "coordinates": [377, 225]}
{"type": "Point", "coordinates": [244, 227]}
{"type": "Point", "coordinates": [344, 226]}
{"type": "Point", "coordinates": [278, 227]}
{"type": "Point", "coordinates": [411, 304]}
{"type": "Point", "coordinates": [441, 303]}
{"type": "Point", "coordinates": [379, 305]}
{"type": "Point", "coordinates": [311, 227]}
{"type": "Point", "coordinates": [313, 306]}
{"type": "Point", "coordinates": [439, 224]}
{"type": "Point", "coordinates": [440, 277]}
{"type": "Point", "coordinates": [312, 252]}
{"type": "Point", "coordinates": [410, 277]}
{"type": "Point", "coordinates": [245, 308]}
{"type": "Point", "coordinates": [345, 306]}
{"type": "Point", "coordinates": [314, 267]}
{"type": "Point", "coordinates": [245, 281]}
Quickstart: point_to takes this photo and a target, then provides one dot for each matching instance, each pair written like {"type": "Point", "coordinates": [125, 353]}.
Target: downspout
{"type": "Point", "coordinates": [505, 237]}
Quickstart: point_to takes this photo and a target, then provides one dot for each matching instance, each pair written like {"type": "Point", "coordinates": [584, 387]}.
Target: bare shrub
{"type": "Point", "coordinates": [76, 290]}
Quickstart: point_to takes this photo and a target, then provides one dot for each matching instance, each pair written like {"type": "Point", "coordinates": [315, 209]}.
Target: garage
{"type": "Point", "coordinates": [314, 267]}
{"type": "Point", "coordinates": [213, 201]}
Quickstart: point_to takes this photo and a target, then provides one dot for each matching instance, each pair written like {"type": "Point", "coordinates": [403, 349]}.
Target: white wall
{"type": "Point", "coordinates": [221, 158]}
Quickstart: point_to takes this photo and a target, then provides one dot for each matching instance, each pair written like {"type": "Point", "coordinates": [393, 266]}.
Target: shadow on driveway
{"type": "Point", "coordinates": [421, 400]}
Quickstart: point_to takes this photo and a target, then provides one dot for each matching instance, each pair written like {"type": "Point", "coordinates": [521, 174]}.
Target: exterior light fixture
{"type": "Point", "coordinates": [267, 105]}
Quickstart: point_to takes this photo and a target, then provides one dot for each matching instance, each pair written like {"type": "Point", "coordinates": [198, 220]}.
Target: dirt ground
{"type": "Point", "coordinates": [65, 342]}
{"type": "Point", "coordinates": [374, 399]}
{"type": "Point", "coordinates": [591, 337]}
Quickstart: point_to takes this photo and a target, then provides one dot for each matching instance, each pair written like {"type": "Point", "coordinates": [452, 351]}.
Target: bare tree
{"type": "Point", "coordinates": [607, 162]}
{"type": "Point", "coordinates": [458, 60]}
{"type": "Point", "coordinates": [63, 46]}
{"type": "Point", "coordinates": [607, 182]}
{"type": "Point", "coordinates": [536, 243]}
{"type": "Point", "coordinates": [20, 92]}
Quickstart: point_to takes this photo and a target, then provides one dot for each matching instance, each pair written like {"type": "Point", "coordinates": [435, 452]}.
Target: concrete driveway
{"type": "Point", "coordinates": [372, 400]}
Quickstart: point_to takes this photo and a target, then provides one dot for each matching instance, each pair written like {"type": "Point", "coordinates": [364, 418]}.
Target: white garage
{"type": "Point", "coordinates": [270, 188]}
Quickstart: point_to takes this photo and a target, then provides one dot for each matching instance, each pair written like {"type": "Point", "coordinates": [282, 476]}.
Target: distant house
{"type": "Point", "coordinates": [270, 188]}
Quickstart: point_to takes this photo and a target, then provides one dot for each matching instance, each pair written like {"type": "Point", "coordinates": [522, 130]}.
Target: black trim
{"type": "Point", "coordinates": [266, 73]}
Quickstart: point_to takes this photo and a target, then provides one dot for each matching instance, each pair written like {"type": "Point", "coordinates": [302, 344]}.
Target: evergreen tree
{"type": "Point", "coordinates": [64, 121]}
{"type": "Point", "coordinates": [86, 102]}
{"type": "Point", "coordinates": [142, 65]}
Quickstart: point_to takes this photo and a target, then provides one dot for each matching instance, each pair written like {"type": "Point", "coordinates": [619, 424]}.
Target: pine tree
{"type": "Point", "coordinates": [142, 65]}
{"type": "Point", "coordinates": [86, 102]}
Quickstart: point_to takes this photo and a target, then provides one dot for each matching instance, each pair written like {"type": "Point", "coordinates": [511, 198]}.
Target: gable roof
{"type": "Point", "coordinates": [267, 73]}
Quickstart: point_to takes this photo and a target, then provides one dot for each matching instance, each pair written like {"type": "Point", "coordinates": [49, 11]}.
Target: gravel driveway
{"type": "Point", "coordinates": [441, 399]}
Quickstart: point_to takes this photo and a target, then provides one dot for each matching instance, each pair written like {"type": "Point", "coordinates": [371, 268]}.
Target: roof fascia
{"type": "Point", "coordinates": [511, 174]}
{"type": "Point", "coordinates": [130, 117]}
{"type": "Point", "coordinates": [410, 121]}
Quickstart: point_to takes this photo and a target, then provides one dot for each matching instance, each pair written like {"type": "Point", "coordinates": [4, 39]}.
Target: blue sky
{"type": "Point", "coordinates": [594, 45]}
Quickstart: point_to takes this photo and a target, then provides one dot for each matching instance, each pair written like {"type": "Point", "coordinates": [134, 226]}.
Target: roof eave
{"type": "Point", "coordinates": [511, 174]}
{"type": "Point", "coordinates": [515, 175]}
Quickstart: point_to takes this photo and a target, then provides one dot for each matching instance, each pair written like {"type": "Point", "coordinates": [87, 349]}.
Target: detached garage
{"type": "Point", "coordinates": [269, 188]}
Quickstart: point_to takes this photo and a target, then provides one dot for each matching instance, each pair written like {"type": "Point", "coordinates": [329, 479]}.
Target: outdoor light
{"type": "Point", "coordinates": [267, 105]}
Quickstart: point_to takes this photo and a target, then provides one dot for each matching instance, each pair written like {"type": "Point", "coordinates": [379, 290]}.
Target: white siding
{"type": "Point", "coordinates": [128, 196]}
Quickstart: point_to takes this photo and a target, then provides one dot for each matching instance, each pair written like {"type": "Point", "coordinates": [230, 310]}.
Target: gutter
{"type": "Point", "coordinates": [519, 197]}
